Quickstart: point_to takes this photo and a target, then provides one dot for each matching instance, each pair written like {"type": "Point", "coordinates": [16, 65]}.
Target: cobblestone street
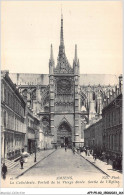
{"type": "Point", "coordinates": [63, 163]}
{"type": "Point", "coordinates": [63, 168]}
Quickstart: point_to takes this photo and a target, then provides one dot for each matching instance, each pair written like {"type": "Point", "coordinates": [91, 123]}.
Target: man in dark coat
{"type": "Point", "coordinates": [21, 162]}
{"type": "Point", "coordinates": [4, 171]}
{"type": "Point", "coordinates": [65, 148]}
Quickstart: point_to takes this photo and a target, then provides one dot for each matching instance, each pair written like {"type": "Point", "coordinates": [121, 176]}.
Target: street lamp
{"type": "Point", "coordinates": [35, 158]}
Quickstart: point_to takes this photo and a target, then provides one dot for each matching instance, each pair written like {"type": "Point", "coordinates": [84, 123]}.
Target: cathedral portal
{"type": "Point", "coordinates": [64, 135]}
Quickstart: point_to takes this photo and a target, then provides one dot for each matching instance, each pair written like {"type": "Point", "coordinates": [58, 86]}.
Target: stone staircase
{"type": "Point", "coordinates": [11, 164]}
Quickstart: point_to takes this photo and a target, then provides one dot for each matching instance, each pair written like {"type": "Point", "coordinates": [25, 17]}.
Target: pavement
{"type": "Point", "coordinates": [101, 165]}
{"type": "Point", "coordinates": [17, 171]}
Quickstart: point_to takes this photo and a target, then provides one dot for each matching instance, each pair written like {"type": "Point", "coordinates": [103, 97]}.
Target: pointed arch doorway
{"type": "Point", "coordinates": [64, 135]}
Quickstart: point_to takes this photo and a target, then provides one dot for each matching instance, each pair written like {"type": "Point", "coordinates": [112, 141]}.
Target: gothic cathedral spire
{"type": "Point", "coordinates": [51, 61]}
{"type": "Point", "coordinates": [51, 53]}
{"type": "Point", "coordinates": [61, 32]}
{"type": "Point", "coordinates": [76, 53]}
{"type": "Point", "coordinates": [63, 65]}
{"type": "Point", "coordinates": [76, 62]}
{"type": "Point", "coordinates": [61, 47]}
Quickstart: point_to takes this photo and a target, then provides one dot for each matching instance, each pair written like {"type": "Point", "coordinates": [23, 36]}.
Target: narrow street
{"type": "Point", "coordinates": [60, 168]}
{"type": "Point", "coordinates": [64, 163]}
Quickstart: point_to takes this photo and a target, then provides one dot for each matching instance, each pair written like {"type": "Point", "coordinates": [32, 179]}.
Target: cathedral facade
{"type": "Point", "coordinates": [65, 100]}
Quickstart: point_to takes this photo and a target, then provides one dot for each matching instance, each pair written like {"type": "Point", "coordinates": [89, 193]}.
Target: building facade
{"type": "Point", "coordinates": [112, 121]}
{"type": "Point", "coordinates": [93, 135]}
{"type": "Point", "coordinates": [13, 127]}
{"type": "Point", "coordinates": [32, 131]}
{"type": "Point", "coordinates": [21, 128]}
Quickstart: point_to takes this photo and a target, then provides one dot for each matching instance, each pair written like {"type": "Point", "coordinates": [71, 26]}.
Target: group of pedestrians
{"type": "Point", "coordinates": [87, 151]}
{"type": "Point", "coordinates": [116, 160]}
{"type": "Point", "coordinates": [93, 152]}
{"type": "Point", "coordinates": [73, 149]}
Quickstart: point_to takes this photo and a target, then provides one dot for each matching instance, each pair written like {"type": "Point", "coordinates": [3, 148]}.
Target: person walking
{"type": "Point", "coordinates": [107, 158]}
{"type": "Point", "coordinates": [114, 163]}
{"type": "Point", "coordinates": [65, 148]}
{"type": "Point", "coordinates": [94, 156]}
{"type": "Point", "coordinates": [21, 162]}
{"type": "Point", "coordinates": [85, 150]}
{"type": "Point", "coordinates": [88, 151]}
{"type": "Point", "coordinates": [4, 171]}
{"type": "Point", "coordinates": [73, 150]}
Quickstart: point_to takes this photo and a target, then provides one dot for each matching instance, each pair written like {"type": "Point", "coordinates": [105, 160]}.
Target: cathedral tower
{"type": "Point", "coordinates": [64, 89]}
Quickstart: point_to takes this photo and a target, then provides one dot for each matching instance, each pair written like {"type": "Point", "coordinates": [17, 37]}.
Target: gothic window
{"type": "Point", "coordinates": [64, 127]}
{"type": "Point", "coordinates": [34, 95]}
{"type": "Point", "coordinates": [24, 93]}
{"type": "Point", "coordinates": [46, 100]}
{"type": "Point", "coordinates": [63, 86]}
{"type": "Point", "coordinates": [46, 109]}
{"type": "Point", "coordinates": [45, 122]}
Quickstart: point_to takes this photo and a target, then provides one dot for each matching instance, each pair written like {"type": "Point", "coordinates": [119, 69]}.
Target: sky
{"type": "Point", "coordinates": [29, 27]}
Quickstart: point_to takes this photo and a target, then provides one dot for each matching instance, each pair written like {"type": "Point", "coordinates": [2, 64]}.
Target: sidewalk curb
{"type": "Point", "coordinates": [95, 165]}
{"type": "Point", "coordinates": [33, 165]}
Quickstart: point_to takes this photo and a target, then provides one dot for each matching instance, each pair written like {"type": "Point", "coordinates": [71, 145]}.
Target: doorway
{"type": "Point", "coordinates": [64, 135]}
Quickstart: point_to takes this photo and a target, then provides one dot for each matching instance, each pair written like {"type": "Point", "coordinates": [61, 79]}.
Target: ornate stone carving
{"type": "Point", "coordinates": [63, 66]}
{"type": "Point", "coordinates": [63, 86]}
